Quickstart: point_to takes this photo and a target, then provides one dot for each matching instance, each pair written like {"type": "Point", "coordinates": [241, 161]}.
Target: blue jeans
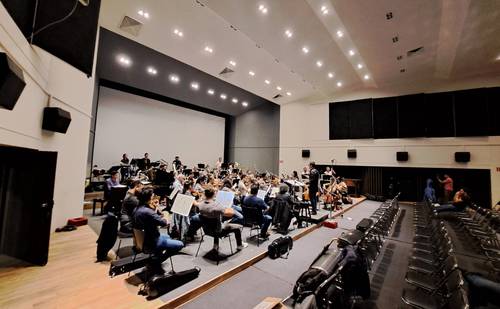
{"type": "Point", "coordinates": [237, 217]}
{"type": "Point", "coordinates": [164, 242]}
{"type": "Point", "coordinates": [266, 222]}
{"type": "Point", "coordinates": [482, 290]}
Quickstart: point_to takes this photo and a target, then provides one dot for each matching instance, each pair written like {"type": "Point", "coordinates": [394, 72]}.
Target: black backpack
{"type": "Point", "coordinates": [279, 247]}
{"type": "Point", "coordinates": [107, 237]}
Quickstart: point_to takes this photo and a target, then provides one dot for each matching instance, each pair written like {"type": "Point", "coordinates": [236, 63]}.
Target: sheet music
{"type": "Point", "coordinates": [262, 194]}
{"type": "Point", "coordinates": [225, 198]}
{"type": "Point", "coordinates": [274, 191]}
{"type": "Point", "coordinates": [182, 204]}
{"type": "Point", "coordinates": [174, 192]}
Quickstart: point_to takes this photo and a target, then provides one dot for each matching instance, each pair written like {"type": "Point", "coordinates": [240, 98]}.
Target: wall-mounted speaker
{"type": "Point", "coordinates": [306, 153]}
{"type": "Point", "coordinates": [11, 82]}
{"type": "Point", "coordinates": [462, 157]}
{"type": "Point", "coordinates": [402, 155]}
{"type": "Point", "coordinates": [351, 153]}
{"type": "Point", "coordinates": [56, 119]}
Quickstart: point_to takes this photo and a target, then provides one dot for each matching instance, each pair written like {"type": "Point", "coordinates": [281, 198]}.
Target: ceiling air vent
{"type": "Point", "coordinates": [226, 72]}
{"type": "Point", "coordinates": [415, 51]}
{"type": "Point", "coordinates": [277, 96]}
{"type": "Point", "coordinates": [130, 25]}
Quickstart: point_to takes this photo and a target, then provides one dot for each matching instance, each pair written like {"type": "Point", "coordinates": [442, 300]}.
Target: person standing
{"type": "Point", "coordinates": [313, 186]}
{"type": "Point", "coordinates": [447, 183]}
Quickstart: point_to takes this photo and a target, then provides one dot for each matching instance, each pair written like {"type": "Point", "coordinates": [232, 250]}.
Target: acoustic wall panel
{"type": "Point", "coordinates": [385, 113]}
{"type": "Point", "coordinates": [339, 120]}
{"type": "Point", "coordinates": [439, 121]}
{"type": "Point", "coordinates": [411, 115]}
{"type": "Point", "coordinates": [360, 119]}
{"type": "Point", "coordinates": [471, 112]}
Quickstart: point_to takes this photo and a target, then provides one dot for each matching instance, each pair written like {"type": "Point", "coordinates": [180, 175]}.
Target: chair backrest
{"type": "Point", "coordinates": [450, 264]}
{"type": "Point", "coordinates": [252, 215]}
{"type": "Point", "coordinates": [139, 239]}
{"type": "Point", "coordinates": [454, 281]}
{"type": "Point", "coordinates": [458, 300]}
{"type": "Point", "coordinates": [211, 226]}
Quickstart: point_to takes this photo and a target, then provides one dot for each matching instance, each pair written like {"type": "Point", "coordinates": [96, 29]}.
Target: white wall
{"type": "Point", "coordinates": [49, 82]}
{"type": "Point", "coordinates": [306, 126]}
{"type": "Point", "coordinates": [132, 124]}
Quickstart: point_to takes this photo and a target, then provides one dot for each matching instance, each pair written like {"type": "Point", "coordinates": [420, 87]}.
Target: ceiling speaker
{"type": "Point", "coordinates": [402, 156]}
{"type": "Point", "coordinates": [306, 153]}
{"type": "Point", "coordinates": [462, 157]}
{"type": "Point", "coordinates": [11, 82]}
{"type": "Point", "coordinates": [351, 153]}
{"type": "Point", "coordinates": [56, 119]}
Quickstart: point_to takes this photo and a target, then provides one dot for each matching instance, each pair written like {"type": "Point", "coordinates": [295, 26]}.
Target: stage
{"type": "Point", "coordinates": [71, 279]}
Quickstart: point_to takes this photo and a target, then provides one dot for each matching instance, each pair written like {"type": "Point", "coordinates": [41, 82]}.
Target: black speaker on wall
{"type": "Point", "coordinates": [351, 153]}
{"type": "Point", "coordinates": [462, 157]}
{"type": "Point", "coordinates": [402, 155]}
{"type": "Point", "coordinates": [56, 119]}
{"type": "Point", "coordinates": [11, 82]}
{"type": "Point", "coordinates": [306, 153]}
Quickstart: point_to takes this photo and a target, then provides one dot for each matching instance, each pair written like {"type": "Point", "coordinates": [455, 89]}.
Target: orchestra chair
{"type": "Point", "coordinates": [254, 218]}
{"type": "Point", "coordinates": [94, 202]}
{"type": "Point", "coordinates": [139, 236]}
{"type": "Point", "coordinates": [304, 212]}
{"type": "Point", "coordinates": [213, 227]}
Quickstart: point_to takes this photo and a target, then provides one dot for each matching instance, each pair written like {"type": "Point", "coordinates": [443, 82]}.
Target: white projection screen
{"type": "Point", "coordinates": [132, 124]}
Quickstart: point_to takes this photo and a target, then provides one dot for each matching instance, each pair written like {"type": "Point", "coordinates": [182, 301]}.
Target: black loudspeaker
{"type": "Point", "coordinates": [306, 153]}
{"type": "Point", "coordinates": [462, 157]}
{"type": "Point", "coordinates": [351, 153]}
{"type": "Point", "coordinates": [56, 119]}
{"type": "Point", "coordinates": [11, 82]}
{"type": "Point", "coordinates": [402, 155]}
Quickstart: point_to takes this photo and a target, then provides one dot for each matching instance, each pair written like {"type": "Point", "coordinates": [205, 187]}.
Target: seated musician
{"type": "Point", "coordinates": [328, 171]}
{"type": "Point", "coordinates": [242, 188]}
{"type": "Point", "coordinates": [282, 209]}
{"type": "Point", "coordinates": [148, 218]}
{"type": "Point", "coordinates": [130, 202]}
{"type": "Point", "coordinates": [209, 208]}
{"type": "Point", "coordinates": [200, 183]}
{"type": "Point", "coordinates": [461, 200]}
{"type": "Point", "coordinates": [177, 163]}
{"type": "Point", "coordinates": [342, 187]}
{"type": "Point", "coordinates": [180, 223]}
{"type": "Point", "coordinates": [256, 202]}
{"type": "Point", "coordinates": [218, 164]}
{"type": "Point", "coordinates": [112, 181]}
{"type": "Point", "coordinates": [125, 160]}
{"type": "Point", "coordinates": [305, 173]}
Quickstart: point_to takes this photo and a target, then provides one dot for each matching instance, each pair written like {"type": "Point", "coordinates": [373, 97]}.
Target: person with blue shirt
{"type": "Point", "coordinates": [253, 201]}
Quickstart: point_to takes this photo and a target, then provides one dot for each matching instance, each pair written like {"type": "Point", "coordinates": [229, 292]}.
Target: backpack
{"type": "Point", "coordinates": [107, 237]}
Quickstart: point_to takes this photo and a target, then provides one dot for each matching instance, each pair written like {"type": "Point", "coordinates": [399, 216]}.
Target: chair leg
{"type": "Point", "coordinates": [172, 265]}
{"type": "Point", "coordinates": [258, 238]}
{"type": "Point", "coordinates": [199, 245]}
{"type": "Point", "coordinates": [230, 244]}
{"type": "Point", "coordinates": [133, 260]}
{"type": "Point", "coordinates": [93, 207]}
{"type": "Point", "coordinates": [119, 246]}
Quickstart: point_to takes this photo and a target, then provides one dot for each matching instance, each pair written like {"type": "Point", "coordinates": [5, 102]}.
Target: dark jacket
{"type": "Point", "coordinates": [314, 180]}
{"type": "Point", "coordinates": [282, 211]}
{"type": "Point", "coordinates": [148, 220]}
{"type": "Point", "coordinates": [254, 201]}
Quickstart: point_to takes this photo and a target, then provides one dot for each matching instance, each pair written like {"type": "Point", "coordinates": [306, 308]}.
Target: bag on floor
{"type": "Point", "coordinates": [161, 284]}
{"type": "Point", "coordinates": [107, 237]}
{"type": "Point", "coordinates": [364, 225]}
{"type": "Point", "coordinates": [279, 247]}
{"type": "Point", "coordinates": [346, 200]}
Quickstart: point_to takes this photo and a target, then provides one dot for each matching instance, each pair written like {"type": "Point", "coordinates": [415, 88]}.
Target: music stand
{"type": "Point", "coordinates": [182, 204]}
{"type": "Point", "coordinates": [187, 171]}
{"type": "Point", "coordinates": [224, 166]}
{"type": "Point", "coordinates": [155, 164]}
{"type": "Point", "coordinates": [236, 170]}
{"type": "Point", "coordinates": [114, 168]}
{"type": "Point", "coordinates": [201, 165]}
{"type": "Point", "coordinates": [196, 174]}
{"type": "Point", "coordinates": [116, 196]}
{"type": "Point", "coordinates": [222, 174]}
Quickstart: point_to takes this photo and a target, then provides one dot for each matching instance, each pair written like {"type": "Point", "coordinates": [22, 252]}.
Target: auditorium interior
{"type": "Point", "coordinates": [250, 154]}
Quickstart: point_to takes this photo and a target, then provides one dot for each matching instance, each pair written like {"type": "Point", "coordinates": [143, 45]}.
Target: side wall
{"type": "Point", "coordinates": [254, 138]}
{"type": "Point", "coordinates": [49, 82]}
{"type": "Point", "coordinates": [306, 126]}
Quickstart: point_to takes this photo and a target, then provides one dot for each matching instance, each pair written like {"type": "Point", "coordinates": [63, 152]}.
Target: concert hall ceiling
{"type": "Point", "coordinates": [313, 50]}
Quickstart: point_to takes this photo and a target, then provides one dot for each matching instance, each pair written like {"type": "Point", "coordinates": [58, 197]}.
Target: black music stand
{"type": "Point", "coordinates": [201, 166]}
{"type": "Point", "coordinates": [187, 171]}
{"type": "Point", "coordinates": [224, 166]}
{"type": "Point", "coordinates": [116, 196]}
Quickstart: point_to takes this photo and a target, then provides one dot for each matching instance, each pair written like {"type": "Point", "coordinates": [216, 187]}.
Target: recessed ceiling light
{"type": "Point", "coordinates": [497, 58]}
{"type": "Point", "coordinates": [244, 103]}
{"type": "Point", "coordinates": [124, 60]}
{"type": "Point", "coordinates": [351, 52]}
{"type": "Point", "coordinates": [178, 33]}
{"type": "Point", "coordinates": [339, 84]}
{"type": "Point", "coordinates": [223, 96]}
{"type": "Point", "coordinates": [209, 49]}
{"type": "Point", "coordinates": [252, 73]}
{"type": "Point", "coordinates": [360, 66]}
{"type": "Point", "coordinates": [195, 85]}
{"type": "Point", "coordinates": [319, 64]}
{"type": "Point", "coordinates": [340, 33]}
{"type": "Point", "coordinates": [263, 9]}
{"type": "Point", "coordinates": [267, 82]}
{"type": "Point", "coordinates": [143, 13]}
{"type": "Point", "coordinates": [233, 63]}
{"type": "Point", "coordinates": [288, 93]}
{"type": "Point", "coordinates": [324, 10]}
{"type": "Point", "coordinates": [305, 49]}
{"type": "Point", "coordinates": [234, 100]}
{"type": "Point", "coordinates": [288, 33]}
{"type": "Point", "coordinates": [330, 75]}
{"type": "Point", "coordinates": [278, 88]}
{"type": "Point", "coordinates": [210, 91]}
{"type": "Point", "coordinates": [152, 71]}
{"type": "Point", "coordinates": [366, 77]}
{"type": "Point", "coordinates": [174, 78]}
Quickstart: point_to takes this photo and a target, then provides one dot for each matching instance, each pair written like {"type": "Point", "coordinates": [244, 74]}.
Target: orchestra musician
{"type": "Point", "coordinates": [177, 163]}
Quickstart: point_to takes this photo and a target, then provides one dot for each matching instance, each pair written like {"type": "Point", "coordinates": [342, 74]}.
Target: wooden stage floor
{"type": "Point", "coordinates": [71, 279]}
